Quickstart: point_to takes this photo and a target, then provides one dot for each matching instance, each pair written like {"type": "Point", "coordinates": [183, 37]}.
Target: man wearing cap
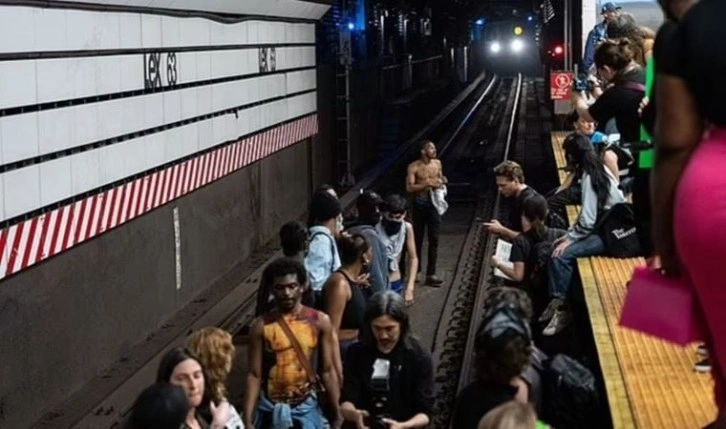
{"type": "Point", "coordinates": [610, 11]}
{"type": "Point", "coordinates": [369, 215]}
{"type": "Point", "coordinates": [322, 258]}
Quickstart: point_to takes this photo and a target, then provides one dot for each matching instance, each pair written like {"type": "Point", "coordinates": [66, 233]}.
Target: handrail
{"type": "Point", "coordinates": [423, 60]}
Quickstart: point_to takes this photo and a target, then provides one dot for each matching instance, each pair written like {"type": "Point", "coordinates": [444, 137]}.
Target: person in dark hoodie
{"type": "Point", "coordinates": [369, 215]}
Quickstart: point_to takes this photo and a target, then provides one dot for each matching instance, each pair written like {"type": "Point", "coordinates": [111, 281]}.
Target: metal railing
{"type": "Point", "coordinates": [399, 78]}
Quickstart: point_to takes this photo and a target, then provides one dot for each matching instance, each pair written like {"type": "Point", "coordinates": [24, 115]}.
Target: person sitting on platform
{"type": "Point", "coordinates": [599, 193]}
{"type": "Point", "coordinates": [510, 182]}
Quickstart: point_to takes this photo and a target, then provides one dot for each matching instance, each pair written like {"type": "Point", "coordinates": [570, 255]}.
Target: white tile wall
{"type": "Point", "coordinates": [129, 31]}
{"type": "Point", "coordinates": [2, 202]}
{"type": "Point", "coordinates": [19, 137]}
{"type": "Point", "coordinates": [170, 31]}
{"type": "Point", "coordinates": [88, 76]}
{"type": "Point", "coordinates": [17, 32]}
{"type": "Point", "coordinates": [173, 105]}
{"type": "Point", "coordinates": [17, 83]}
{"type": "Point", "coordinates": [85, 171]}
{"type": "Point", "coordinates": [55, 129]}
{"type": "Point", "coordinates": [55, 181]}
{"type": "Point", "coordinates": [284, 8]}
{"type": "Point", "coordinates": [24, 29]}
{"type": "Point", "coordinates": [21, 190]}
{"type": "Point", "coordinates": [108, 75]}
{"type": "Point", "coordinates": [151, 31]}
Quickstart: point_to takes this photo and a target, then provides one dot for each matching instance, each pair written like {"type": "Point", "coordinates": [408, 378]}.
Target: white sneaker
{"type": "Point", "coordinates": [547, 314]}
{"type": "Point", "coordinates": [559, 321]}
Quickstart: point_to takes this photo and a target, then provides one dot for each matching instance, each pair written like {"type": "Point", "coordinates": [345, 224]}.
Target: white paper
{"type": "Point", "coordinates": [504, 249]}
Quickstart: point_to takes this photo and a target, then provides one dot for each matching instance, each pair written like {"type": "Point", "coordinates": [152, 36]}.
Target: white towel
{"type": "Point", "coordinates": [438, 199]}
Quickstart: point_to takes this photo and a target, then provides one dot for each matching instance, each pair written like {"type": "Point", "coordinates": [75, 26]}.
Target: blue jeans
{"type": "Point", "coordinates": [560, 268]}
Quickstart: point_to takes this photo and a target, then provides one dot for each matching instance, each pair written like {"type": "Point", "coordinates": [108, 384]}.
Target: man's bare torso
{"type": "Point", "coordinates": [424, 172]}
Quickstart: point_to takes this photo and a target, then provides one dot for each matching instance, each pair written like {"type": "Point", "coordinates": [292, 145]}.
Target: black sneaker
{"type": "Point", "coordinates": [434, 280]}
{"type": "Point", "coordinates": [703, 366]}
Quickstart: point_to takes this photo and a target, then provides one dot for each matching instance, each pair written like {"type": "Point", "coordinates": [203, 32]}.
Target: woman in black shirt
{"type": "Point", "coordinates": [535, 235]}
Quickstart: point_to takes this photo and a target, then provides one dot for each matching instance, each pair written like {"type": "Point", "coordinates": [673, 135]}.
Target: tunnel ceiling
{"type": "Point", "coordinates": [493, 9]}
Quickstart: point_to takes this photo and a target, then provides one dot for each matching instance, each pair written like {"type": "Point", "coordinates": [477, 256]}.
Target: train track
{"type": "Point", "coordinates": [106, 401]}
{"type": "Point", "coordinates": [462, 310]}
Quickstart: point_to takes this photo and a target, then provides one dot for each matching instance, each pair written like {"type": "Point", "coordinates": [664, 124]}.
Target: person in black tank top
{"type": "Point", "coordinates": [342, 298]}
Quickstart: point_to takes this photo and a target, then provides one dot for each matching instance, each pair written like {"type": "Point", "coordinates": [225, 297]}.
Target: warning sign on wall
{"type": "Point", "coordinates": [560, 84]}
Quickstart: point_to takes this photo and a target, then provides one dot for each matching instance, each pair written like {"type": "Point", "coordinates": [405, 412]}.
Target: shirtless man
{"type": "Point", "coordinates": [423, 176]}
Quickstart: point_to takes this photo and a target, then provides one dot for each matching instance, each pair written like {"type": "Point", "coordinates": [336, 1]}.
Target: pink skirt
{"type": "Point", "coordinates": [700, 233]}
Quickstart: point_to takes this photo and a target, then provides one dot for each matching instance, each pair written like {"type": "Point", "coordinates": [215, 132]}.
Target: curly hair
{"type": "Point", "coordinates": [500, 359]}
{"type": "Point", "coordinates": [215, 350]}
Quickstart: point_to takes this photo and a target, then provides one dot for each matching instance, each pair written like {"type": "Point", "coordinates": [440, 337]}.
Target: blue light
{"type": "Point", "coordinates": [479, 22]}
{"type": "Point", "coordinates": [529, 18]}
{"type": "Point", "coordinates": [351, 26]}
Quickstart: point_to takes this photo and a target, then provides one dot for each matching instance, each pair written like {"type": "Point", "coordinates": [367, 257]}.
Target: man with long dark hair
{"type": "Point", "coordinates": [402, 395]}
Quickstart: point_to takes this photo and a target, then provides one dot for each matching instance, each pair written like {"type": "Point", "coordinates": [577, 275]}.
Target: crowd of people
{"type": "Point", "coordinates": [332, 343]}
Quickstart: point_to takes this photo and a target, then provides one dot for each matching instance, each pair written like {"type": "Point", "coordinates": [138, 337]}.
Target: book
{"type": "Point", "coordinates": [503, 250]}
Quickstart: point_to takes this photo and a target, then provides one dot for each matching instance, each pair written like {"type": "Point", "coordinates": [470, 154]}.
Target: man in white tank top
{"type": "Point", "coordinates": [395, 232]}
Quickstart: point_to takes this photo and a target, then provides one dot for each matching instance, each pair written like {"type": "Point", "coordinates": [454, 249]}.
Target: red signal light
{"type": "Point", "coordinates": [558, 50]}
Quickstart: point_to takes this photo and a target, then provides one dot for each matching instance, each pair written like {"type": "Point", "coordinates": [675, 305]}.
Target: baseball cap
{"type": "Point", "coordinates": [610, 7]}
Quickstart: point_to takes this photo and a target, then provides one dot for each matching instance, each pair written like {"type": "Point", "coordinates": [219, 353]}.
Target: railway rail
{"type": "Point", "coordinates": [476, 130]}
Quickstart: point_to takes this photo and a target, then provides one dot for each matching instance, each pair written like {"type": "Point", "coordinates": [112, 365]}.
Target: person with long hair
{"type": "Point", "coordinates": [534, 233]}
{"type": "Point", "coordinates": [599, 193]}
{"type": "Point", "coordinates": [689, 184]}
{"type": "Point", "coordinates": [216, 352]}
{"type": "Point", "coordinates": [510, 415]}
{"type": "Point", "coordinates": [388, 344]}
{"type": "Point", "coordinates": [182, 368]}
{"type": "Point", "coordinates": [625, 82]}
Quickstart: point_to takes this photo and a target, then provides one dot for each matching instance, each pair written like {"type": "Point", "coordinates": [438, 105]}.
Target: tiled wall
{"type": "Point", "coordinates": [51, 152]}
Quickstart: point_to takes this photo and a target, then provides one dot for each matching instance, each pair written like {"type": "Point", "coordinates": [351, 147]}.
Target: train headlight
{"type": "Point", "coordinates": [517, 45]}
{"type": "Point", "coordinates": [495, 47]}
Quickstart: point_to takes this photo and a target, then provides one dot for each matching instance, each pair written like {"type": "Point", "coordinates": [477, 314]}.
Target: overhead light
{"type": "Point", "coordinates": [480, 21]}
{"type": "Point", "coordinates": [517, 45]}
{"type": "Point", "coordinates": [495, 47]}
{"type": "Point", "coordinates": [351, 26]}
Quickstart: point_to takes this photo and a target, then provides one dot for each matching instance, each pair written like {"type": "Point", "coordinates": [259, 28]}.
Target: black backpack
{"type": "Point", "coordinates": [571, 394]}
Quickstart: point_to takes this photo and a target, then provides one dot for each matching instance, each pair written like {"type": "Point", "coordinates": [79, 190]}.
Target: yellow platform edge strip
{"type": "Point", "coordinates": [615, 388]}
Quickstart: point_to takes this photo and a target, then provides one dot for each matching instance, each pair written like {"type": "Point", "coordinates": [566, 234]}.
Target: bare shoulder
{"type": "Point", "coordinates": [323, 321]}
{"type": "Point", "coordinates": [409, 227]}
{"type": "Point", "coordinates": [437, 163]}
{"type": "Point", "coordinates": [414, 165]}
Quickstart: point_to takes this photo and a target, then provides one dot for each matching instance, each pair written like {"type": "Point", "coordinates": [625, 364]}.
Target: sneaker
{"type": "Point", "coordinates": [702, 351]}
{"type": "Point", "coordinates": [434, 280]}
{"type": "Point", "coordinates": [703, 366]}
{"type": "Point", "coordinates": [559, 321]}
{"type": "Point", "coordinates": [550, 310]}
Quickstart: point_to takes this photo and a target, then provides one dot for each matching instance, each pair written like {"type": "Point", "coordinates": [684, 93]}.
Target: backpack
{"type": "Point", "coordinates": [571, 394]}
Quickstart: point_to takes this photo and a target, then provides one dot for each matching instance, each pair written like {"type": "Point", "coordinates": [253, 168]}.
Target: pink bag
{"type": "Point", "coordinates": [662, 307]}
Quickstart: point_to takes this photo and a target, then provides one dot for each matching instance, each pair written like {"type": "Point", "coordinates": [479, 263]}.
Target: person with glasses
{"type": "Point", "coordinates": [397, 232]}
{"type": "Point", "coordinates": [287, 345]}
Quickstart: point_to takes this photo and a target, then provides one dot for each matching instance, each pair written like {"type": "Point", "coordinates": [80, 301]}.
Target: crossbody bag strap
{"type": "Point", "coordinates": [304, 361]}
